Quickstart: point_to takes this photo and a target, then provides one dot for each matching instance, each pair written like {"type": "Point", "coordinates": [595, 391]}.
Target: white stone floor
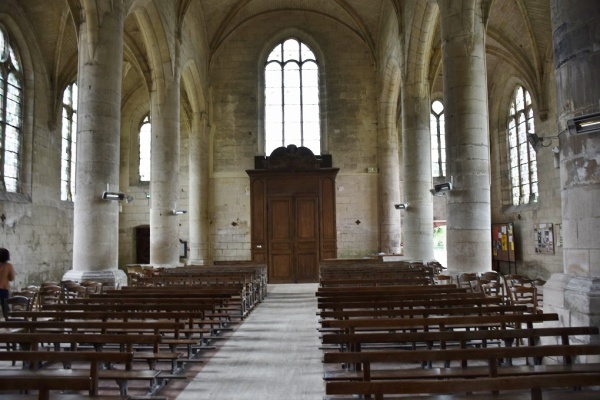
{"type": "Point", "coordinates": [273, 355]}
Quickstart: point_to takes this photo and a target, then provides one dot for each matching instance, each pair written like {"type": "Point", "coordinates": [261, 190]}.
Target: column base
{"type": "Point", "coordinates": [114, 277]}
{"type": "Point", "coordinates": [576, 300]}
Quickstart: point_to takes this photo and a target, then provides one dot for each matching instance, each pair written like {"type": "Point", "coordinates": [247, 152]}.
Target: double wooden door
{"type": "Point", "coordinates": [293, 238]}
{"type": "Point", "coordinates": [293, 224]}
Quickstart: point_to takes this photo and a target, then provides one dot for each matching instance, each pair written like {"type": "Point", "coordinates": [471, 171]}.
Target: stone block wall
{"type": "Point", "coordinates": [350, 129]}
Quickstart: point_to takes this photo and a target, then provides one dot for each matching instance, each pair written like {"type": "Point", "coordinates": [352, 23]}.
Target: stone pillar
{"type": "Point", "coordinates": [575, 293]}
{"type": "Point", "coordinates": [389, 182]}
{"type": "Point", "coordinates": [416, 149]}
{"type": "Point", "coordinates": [164, 188]}
{"type": "Point", "coordinates": [198, 190]}
{"type": "Point", "coordinates": [96, 221]}
{"type": "Point", "coordinates": [469, 246]}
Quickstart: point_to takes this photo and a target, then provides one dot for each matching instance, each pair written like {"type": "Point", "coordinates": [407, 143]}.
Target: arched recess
{"type": "Point", "coordinates": [321, 61]}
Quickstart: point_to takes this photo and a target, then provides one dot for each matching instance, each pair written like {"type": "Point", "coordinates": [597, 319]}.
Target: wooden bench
{"type": "Point", "coordinates": [493, 377]}
{"type": "Point", "coordinates": [191, 318]}
{"type": "Point", "coordinates": [137, 327]}
{"type": "Point", "coordinates": [442, 323]}
{"type": "Point", "coordinates": [235, 301]}
{"type": "Point", "coordinates": [404, 303]}
{"type": "Point", "coordinates": [443, 339]}
{"type": "Point", "coordinates": [421, 312]}
{"type": "Point", "coordinates": [74, 341]}
{"type": "Point", "coordinates": [385, 290]}
{"type": "Point", "coordinates": [46, 380]}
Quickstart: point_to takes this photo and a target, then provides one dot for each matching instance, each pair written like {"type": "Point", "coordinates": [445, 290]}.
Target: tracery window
{"type": "Point", "coordinates": [438, 139]}
{"type": "Point", "coordinates": [521, 154]}
{"type": "Point", "coordinates": [68, 159]}
{"type": "Point", "coordinates": [292, 114]}
{"type": "Point", "coordinates": [145, 148]}
{"type": "Point", "coordinates": [11, 106]}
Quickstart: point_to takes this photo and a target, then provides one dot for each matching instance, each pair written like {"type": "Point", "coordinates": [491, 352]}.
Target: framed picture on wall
{"type": "Point", "coordinates": [543, 236]}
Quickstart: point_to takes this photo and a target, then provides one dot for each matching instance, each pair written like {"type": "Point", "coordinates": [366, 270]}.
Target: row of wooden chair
{"type": "Point", "coordinates": [514, 289]}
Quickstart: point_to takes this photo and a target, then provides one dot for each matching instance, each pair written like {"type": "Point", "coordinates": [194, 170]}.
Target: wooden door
{"type": "Point", "coordinates": [306, 254]}
{"type": "Point", "coordinates": [142, 244]}
{"type": "Point", "coordinates": [293, 245]}
{"type": "Point", "coordinates": [293, 224]}
{"type": "Point", "coordinates": [281, 239]}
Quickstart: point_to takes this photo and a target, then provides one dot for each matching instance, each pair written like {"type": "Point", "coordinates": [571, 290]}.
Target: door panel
{"type": "Point", "coordinates": [280, 228]}
{"type": "Point", "coordinates": [307, 239]}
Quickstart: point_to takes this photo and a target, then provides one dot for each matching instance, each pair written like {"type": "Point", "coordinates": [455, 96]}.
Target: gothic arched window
{"type": "Point", "coordinates": [292, 114]}
{"type": "Point", "coordinates": [438, 139]}
{"type": "Point", "coordinates": [11, 106]}
{"type": "Point", "coordinates": [521, 154]}
{"type": "Point", "coordinates": [68, 158]}
{"type": "Point", "coordinates": [145, 147]}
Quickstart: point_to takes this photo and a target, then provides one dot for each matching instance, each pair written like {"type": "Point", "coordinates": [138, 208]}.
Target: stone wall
{"type": "Point", "coordinates": [349, 106]}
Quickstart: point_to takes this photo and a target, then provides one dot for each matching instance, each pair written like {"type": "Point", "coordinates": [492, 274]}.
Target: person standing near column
{"type": "Point", "coordinates": [7, 275]}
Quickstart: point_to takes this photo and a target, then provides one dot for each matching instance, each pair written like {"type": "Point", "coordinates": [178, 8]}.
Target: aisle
{"type": "Point", "coordinates": [273, 355]}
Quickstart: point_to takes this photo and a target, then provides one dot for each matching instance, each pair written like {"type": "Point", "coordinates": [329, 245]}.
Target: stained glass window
{"type": "Point", "coordinates": [521, 154]}
{"type": "Point", "coordinates": [11, 106]}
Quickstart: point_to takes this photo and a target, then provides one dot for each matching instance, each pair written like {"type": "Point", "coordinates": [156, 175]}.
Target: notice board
{"type": "Point", "coordinates": [503, 243]}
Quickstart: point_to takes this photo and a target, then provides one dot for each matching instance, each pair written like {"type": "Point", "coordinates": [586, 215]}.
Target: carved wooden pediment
{"type": "Point", "coordinates": [292, 157]}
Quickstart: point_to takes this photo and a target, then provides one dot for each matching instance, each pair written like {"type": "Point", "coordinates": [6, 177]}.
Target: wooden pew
{"type": "Point", "coordinates": [47, 380]}
{"type": "Point", "coordinates": [234, 300]}
{"type": "Point", "coordinates": [421, 311]}
{"type": "Point", "coordinates": [356, 342]}
{"type": "Point", "coordinates": [194, 334]}
{"type": "Point", "coordinates": [137, 327]}
{"type": "Point", "coordinates": [463, 379]}
{"type": "Point", "coordinates": [442, 323]}
{"type": "Point", "coordinates": [100, 342]}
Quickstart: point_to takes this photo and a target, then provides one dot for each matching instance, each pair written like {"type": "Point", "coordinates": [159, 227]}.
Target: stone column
{"type": "Point", "coordinates": [389, 184]}
{"type": "Point", "coordinates": [574, 293]}
{"type": "Point", "coordinates": [416, 149]}
{"type": "Point", "coordinates": [164, 188]}
{"type": "Point", "coordinates": [198, 190]}
{"type": "Point", "coordinates": [96, 221]}
{"type": "Point", "coordinates": [467, 137]}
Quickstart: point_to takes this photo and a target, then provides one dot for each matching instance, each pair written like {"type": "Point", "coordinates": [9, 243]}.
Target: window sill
{"type": "Point", "coordinates": [14, 197]}
{"type": "Point", "coordinates": [521, 208]}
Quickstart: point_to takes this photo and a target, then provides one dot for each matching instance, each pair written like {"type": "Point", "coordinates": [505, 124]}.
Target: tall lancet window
{"type": "Point", "coordinates": [292, 97]}
{"type": "Point", "coordinates": [145, 148]}
{"type": "Point", "coordinates": [68, 158]}
{"type": "Point", "coordinates": [11, 106]}
{"type": "Point", "coordinates": [522, 156]}
{"type": "Point", "coordinates": [438, 139]}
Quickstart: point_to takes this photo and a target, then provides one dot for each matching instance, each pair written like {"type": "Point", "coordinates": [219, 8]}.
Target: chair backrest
{"type": "Point", "coordinates": [467, 280]}
{"type": "Point", "coordinates": [49, 294]}
{"type": "Point", "coordinates": [30, 294]}
{"type": "Point", "coordinates": [492, 289]}
{"type": "Point", "coordinates": [14, 303]}
{"type": "Point", "coordinates": [443, 279]}
{"type": "Point", "coordinates": [526, 295]}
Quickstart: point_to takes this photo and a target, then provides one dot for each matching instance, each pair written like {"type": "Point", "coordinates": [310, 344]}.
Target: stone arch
{"type": "Point", "coordinates": [162, 55]}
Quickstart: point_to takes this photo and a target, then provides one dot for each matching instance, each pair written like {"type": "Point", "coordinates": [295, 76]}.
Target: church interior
{"type": "Point", "coordinates": [188, 133]}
